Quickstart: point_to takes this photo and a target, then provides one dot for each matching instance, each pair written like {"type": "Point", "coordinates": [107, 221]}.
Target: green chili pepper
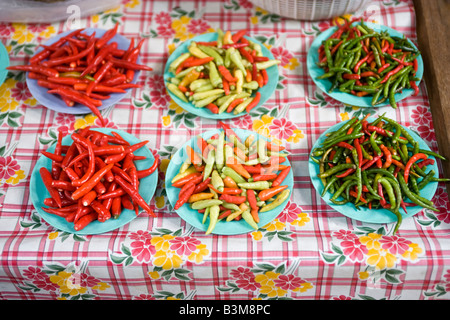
{"type": "Point", "coordinates": [219, 156]}
{"type": "Point", "coordinates": [203, 204]}
{"type": "Point", "coordinates": [177, 92]}
{"type": "Point", "coordinates": [249, 219]}
{"type": "Point", "coordinates": [258, 185]}
{"type": "Point", "coordinates": [213, 217]}
{"type": "Point", "coordinates": [205, 214]}
{"type": "Point", "coordinates": [412, 196]}
{"type": "Point", "coordinates": [235, 57]}
{"type": "Point", "coordinates": [281, 197]}
{"type": "Point", "coordinates": [336, 169]}
{"type": "Point", "coordinates": [175, 63]}
{"type": "Point", "coordinates": [374, 145]}
{"type": "Point", "coordinates": [267, 64]}
{"type": "Point", "coordinates": [262, 150]}
{"type": "Point", "coordinates": [233, 175]}
{"type": "Point", "coordinates": [214, 75]}
{"type": "Point", "coordinates": [212, 53]}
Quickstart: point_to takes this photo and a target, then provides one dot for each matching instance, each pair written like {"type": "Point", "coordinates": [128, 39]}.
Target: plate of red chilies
{"type": "Point", "coordinates": [94, 181]}
{"type": "Point", "coordinates": [84, 70]}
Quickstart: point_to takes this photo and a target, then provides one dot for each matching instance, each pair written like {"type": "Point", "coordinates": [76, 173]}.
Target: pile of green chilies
{"type": "Point", "coordinates": [363, 62]}
{"type": "Point", "coordinates": [375, 164]}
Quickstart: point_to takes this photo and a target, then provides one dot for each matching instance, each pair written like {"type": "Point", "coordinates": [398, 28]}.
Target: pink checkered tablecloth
{"type": "Point", "coordinates": [309, 251]}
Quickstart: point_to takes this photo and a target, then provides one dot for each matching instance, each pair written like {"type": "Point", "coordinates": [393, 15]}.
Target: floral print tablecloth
{"type": "Point", "coordinates": [308, 252]}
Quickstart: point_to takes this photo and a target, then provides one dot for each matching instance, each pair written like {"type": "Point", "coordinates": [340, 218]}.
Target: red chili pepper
{"type": "Point", "coordinates": [236, 37]}
{"type": "Point", "coordinates": [269, 193]}
{"type": "Point", "coordinates": [246, 55]}
{"type": "Point", "coordinates": [359, 152]}
{"type": "Point", "coordinates": [184, 194]}
{"type": "Point", "coordinates": [351, 76]}
{"type": "Point", "coordinates": [210, 43]}
{"type": "Point", "coordinates": [360, 62]}
{"type": "Point", "coordinates": [281, 176]}
{"type": "Point", "coordinates": [146, 172]}
{"type": "Point", "coordinates": [415, 87]}
{"type": "Point", "coordinates": [108, 35]}
{"type": "Point", "coordinates": [234, 45]}
{"type": "Point", "coordinates": [134, 194]}
{"type": "Point", "coordinates": [47, 71]}
{"type": "Point", "coordinates": [370, 163]}
{"type": "Point", "coordinates": [202, 186]}
{"type": "Point", "coordinates": [68, 59]}
{"type": "Point", "coordinates": [387, 156]}
{"type": "Point", "coordinates": [47, 180]}
{"type": "Point", "coordinates": [391, 73]}
{"type": "Point", "coordinates": [234, 103]}
{"type": "Point", "coordinates": [90, 184]}
{"type": "Point", "coordinates": [213, 108]}
{"type": "Point", "coordinates": [411, 161]}
{"type": "Point", "coordinates": [226, 74]}
{"type": "Point", "coordinates": [233, 199]}
{"type": "Point", "coordinates": [254, 102]}
{"type": "Point", "coordinates": [85, 220]}
{"type": "Point", "coordinates": [197, 62]}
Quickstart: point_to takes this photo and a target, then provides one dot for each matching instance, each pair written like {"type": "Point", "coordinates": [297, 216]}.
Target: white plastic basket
{"type": "Point", "coordinates": [311, 9]}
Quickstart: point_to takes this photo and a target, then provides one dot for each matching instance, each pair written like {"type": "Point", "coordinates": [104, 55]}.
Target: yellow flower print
{"type": "Point", "coordinates": [48, 32]}
{"type": "Point", "coordinates": [18, 175]}
{"type": "Point", "coordinates": [101, 286]}
{"type": "Point", "coordinates": [295, 138]}
{"type": "Point", "coordinates": [167, 260]}
{"type": "Point", "coordinates": [371, 241]}
{"type": "Point", "coordinates": [21, 33]}
{"type": "Point", "coordinates": [166, 120]}
{"type": "Point", "coordinates": [268, 284]}
{"type": "Point", "coordinates": [303, 218]}
{"type": "Point", "coordinates": [413, 251]}
{"type": "Point", "coordinates": [95, 18]}
{"type": "Point", "coordinates": [162, 243]}
{"type": "Point", "coordinates": [341, 19]}
{"type": "Point", "coordinates": [53, 235]}
{"type": "Point", "coordinates": [363, 275]}
{"type": "Point", "coordinates": [31, 102]}
{"type": "Point", "coordinates": [153, 274]}
{"type": "Point", "coordinates": [293, 63]}
{"type": "Point", "coordinates": [160, 202]}
{"type": "Point", "coordinates": [198, 255]}
{"type": "Point", "coordinates": [67, 283]}
{"type": "Point", "coordinates": [257, 235]}
{"type": "Point", "coordinates": [261, 126]}
{"type": "Point", "coordinates": [180, 24]}
{"type": "Point", "coordinates": [174, 106]}
{"type": "Point", "coordinates": [7, 86]}
{"type": "Point", "coordinates": [171, 48]}
{"type": "Point", "coordinates": [254, 20]}
{"type": "Point", "coordinates": [164, 165]}
{"type": "Point", "coordinates": [259, 9]}
{"type": "Point", "coordinates": [132, 3]}
{"type": "Point", "coordinates": [344, 116]}
{"type": "Point", "coordinates": [305, 286]}
{"type": "Point", "coordinates": [7, 102]}
{"type": "Point", "coordinates": [275, 225]}
{"type": "Point", "coordinates": [380, 259]}
{"type": "Point", "coordinates": [183, 35]}
{"type": "Point", "coordinates": [87, 120]}
{"type": "Point", "coordinates": [172, 298]}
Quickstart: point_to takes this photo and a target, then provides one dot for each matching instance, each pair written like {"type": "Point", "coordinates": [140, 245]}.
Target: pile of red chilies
{"type": "Point", "coordinates": [85, 69]}
{"type": "Point", "coordinates": [94, 178]}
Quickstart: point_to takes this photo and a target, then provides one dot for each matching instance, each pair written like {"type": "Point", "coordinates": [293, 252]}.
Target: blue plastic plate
{"type": "Point", "coordinates": [147, 188]}
{"type": "Point", "coordinates": [365, 214]}
{"type": "Point", "coordinates": [54, 102]}
{"type": "Point", "coordinates": [325, 84]}
{"type": "Point", "coordinates": [4, 62]}
{"type": "Point", "coordinates": [193, 217]}
{"type": "Point", "coordinates": [266, 91]}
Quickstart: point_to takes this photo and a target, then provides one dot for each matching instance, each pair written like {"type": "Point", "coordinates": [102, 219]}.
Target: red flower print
{"type": "Point", "coordinates": [244, 122]}
{"type": "Point", "coordinates": [331, 102]}
{"type": "Point", "coordinates": [142, 250]}
{"type": "Point", "coordinates": [156, 82]}
{"type": "Point", "coordinates": [290, 213]}
{"type": "Point", "coordinates": [6, 29]}
{"type": "Point", "coordinates": [248, 284]}
{"type": "Point", "coordinates": [65, 119]}
{"type": "Point", "coordinates": [288, 282]}
{"type": "Point", "coordinates": [165, 31]}
{"type": "Point", "coordinates": [441, 197]}
{"type": "Point", "coordinates": [421, 115]}
{"type": "Point", "coordinates": [140, 235]}
{"type": "Point", "coordinates": [37, 27]}
{"type": "Point", "coordinates": [159, 98]}
{"type": "Point", "coordinates": [184, 245]}
{"type": "Point", "coordinates": [344, 235]}
{"type": "Point", "coordinates": [354, 249]}
{"type": "Point", "coordinates": [394, 244]}
{"type": "Point", "coordinates": [426, 132]}
{"type": "Point", "coordinates": [342, 297]}
{"type": "Point", "coordinates": [197, 26]}
{"type": "Point", "coordinates": [45, 284]}
{"type": "Point", "coordinates": [447, 276]}
{"type": "Point", "coordinates": [282, 54]}
{"type": "Point", "coordinates": [163, 18]}
{"type": "Point", "coordinates": [245, 4]}
{"type": "Point", "coordinates": [443, 215]}
{"type": "Point", "coordinates": [8, 167]}
{"type": "Point", "coordinates": [33, 273]}
{"type": "Point", "coordinates": [282, 128]}
{"type": "Point", "coordinates": [324, 25]}
{"type": "Point", "coordinates": [87, 280]}
{"type": "Point", "coordinates": [144, 296]}
{"type": "Point", "coordinates": [242, 273]}
{"type": "Point", "coordinates": [107, 123]}
{"type": "Point", "coordinates": [21, 92]}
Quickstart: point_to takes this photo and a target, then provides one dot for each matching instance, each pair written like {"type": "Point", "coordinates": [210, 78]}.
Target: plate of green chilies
{"type": "Point", "coordinates": [230, 197]}
{"type": "Point", "coordinates": [337, 177]}
{"type": "Point", "coordinates": [376, 71]}
{"type": "Point", "coordinates": [206, 89]}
